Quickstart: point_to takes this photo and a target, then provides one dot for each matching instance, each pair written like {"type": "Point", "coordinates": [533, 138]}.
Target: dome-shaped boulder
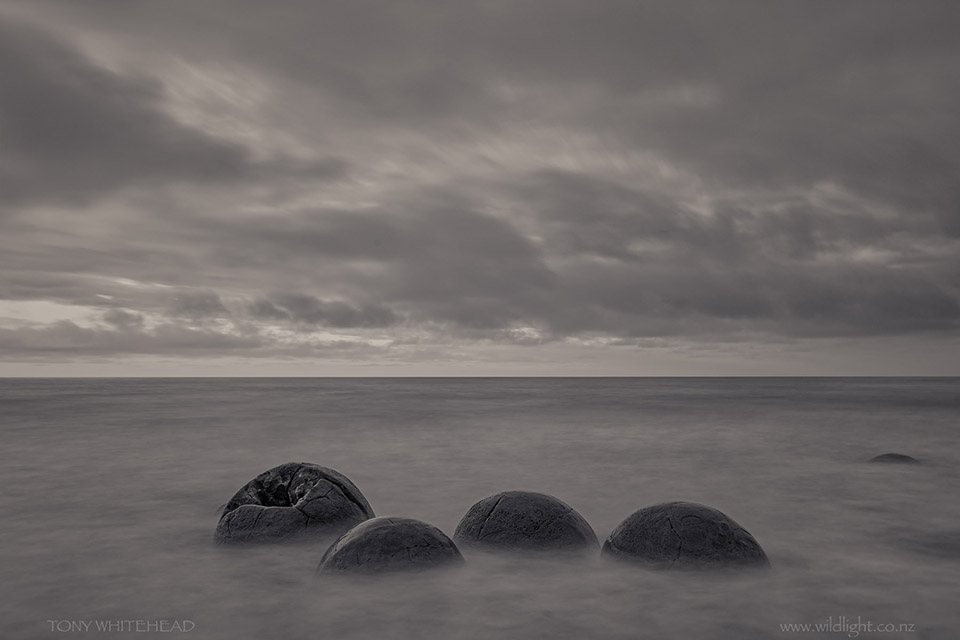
{"type": "Point", "coordinates": [683, 535]}
{"type": "Point", "coordinates": [895, 458]}
{"type": "Point", "coordinates": [294, 501]}
{"type": "Point", "coordinates": [390, 544]}
{"type": "Point", "coordinates": [523, 520]}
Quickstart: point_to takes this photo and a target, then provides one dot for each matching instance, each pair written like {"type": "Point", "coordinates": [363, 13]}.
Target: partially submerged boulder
{"type": "Point", "coordinates": [896, 458]}
{"type": "Point", "coordinates": [684, 535]}
{"type": "Point", "coordinates": [523, 520]}
{"type": "Point", "coordinates": [390, 544]}
{"type": "Point", "coordinates": [293, 501]}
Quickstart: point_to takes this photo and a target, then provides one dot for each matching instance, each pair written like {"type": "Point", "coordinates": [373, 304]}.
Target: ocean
{"type": "Point", "coordinates": [111, 492]}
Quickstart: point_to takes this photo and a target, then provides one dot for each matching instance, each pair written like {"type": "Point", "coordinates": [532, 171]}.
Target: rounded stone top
{"type": "Point", "coordinates": [683, 535]}
{"type": "Point", "coordinates": [895, 458]}
{"type": "Point", "coordinates": [523, 520]}
{"type": "Point", "coordinates": [389, 544]}
{"type": "Point", "coordinates": [295, 500]}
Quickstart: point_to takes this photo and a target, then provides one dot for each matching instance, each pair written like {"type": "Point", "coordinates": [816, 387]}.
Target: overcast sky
{"type": "Point", "coordinates": [541, 187]}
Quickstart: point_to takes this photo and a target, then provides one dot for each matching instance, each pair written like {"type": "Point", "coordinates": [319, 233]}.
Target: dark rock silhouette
{"type": "Point", "coordinates": [522, 520]}
{"type": "Point", "coordinates": [294, 501]}
{"type": "Point", "coordinates": [683, 535]}
{"type": "Point", "coordinates": [897, 458]}
{"type": "Point", "coordinates": [390, 544]}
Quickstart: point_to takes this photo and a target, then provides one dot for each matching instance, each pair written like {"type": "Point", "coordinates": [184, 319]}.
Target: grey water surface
{"type": "Point", "coordinates": [111, 490]}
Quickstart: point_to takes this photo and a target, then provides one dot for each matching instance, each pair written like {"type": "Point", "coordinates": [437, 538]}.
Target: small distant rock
{"type": "Point", "coordinates": [897, 458]}
{"type": "Point", "coordinates": [293, 501]}
{"type": "Point", "coordinates": [522, 520]}
{"type": "Point", "coordinates": [390, 544]}
{"type": "Point", "coordinates": [684, 535]}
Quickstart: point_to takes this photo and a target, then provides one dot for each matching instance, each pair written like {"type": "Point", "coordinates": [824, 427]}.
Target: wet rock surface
{"type": "Point", "coordinates": [294, 501]}
{"type": "Point", "coordinates": [523, 520]}
{"type": "Point", "coordinates": [390, 544]}
{"type": "Point", "coordinates": [895, 458]}
{"type": "Point", "coordinates": [684, 535]}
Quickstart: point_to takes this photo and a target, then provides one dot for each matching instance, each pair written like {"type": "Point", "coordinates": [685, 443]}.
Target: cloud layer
{"type": "Point", "coordinates": [399, 181]}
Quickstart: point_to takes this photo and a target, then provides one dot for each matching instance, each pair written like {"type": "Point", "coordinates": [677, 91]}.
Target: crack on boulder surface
{"type": "Point", "coordinates": [366, 510]}
{"type": "Point", "coordinates": [546, 524]}
{"type": "Point", "coordinates": [679, 542]}
{"type": "Point", "coordinates": [292, 485]}
{"type": "Point", "coordinates": [706, 538]}
{"type": "Point", "coordinates": [290, 501]}
{"type": "Point", "coordinates": [390, 544]}
{"type": "Point", "coordinates": [409, 548]}
{"type": "Point", "coordinates": [252, 533]}
{"type": "Point", "coordinates": [304, 503]}
{"type": "Point", "coordinates": [487, 517]}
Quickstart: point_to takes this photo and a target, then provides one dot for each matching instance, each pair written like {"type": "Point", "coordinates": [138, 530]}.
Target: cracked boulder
{"type": "Point", "coordinates": [522, 520]}
{"type": "Point", "coordinates": [896, 458]}
{"type": "Point", "coordinates": [295, 501]}
{"type": "Point", "coordinates": [684, 535]}
{"type": "Point", "coordinates": [390, 544]}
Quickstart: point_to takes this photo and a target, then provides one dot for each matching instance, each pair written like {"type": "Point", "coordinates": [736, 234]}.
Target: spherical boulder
{"type": "Point", "coordinates": [896, 458]}
{"type": "Point", "coordinates": [683, 535]}
{"type": "Point", "coordinates": [525, 521]}
{"type": "Point", "coordinates": [294, 501]}
{"type": "Point", "coordinates": [390, 544]}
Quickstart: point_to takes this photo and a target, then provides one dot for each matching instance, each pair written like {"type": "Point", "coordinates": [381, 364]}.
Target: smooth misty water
{"type": "Point", "coordinates": [111, 490]}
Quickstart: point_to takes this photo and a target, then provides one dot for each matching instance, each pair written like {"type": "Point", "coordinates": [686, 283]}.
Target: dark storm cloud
{"type": "Point", "coordinates": [756, 92]}
{"type": "Point", "coordinates": [123, 320]}
{"type": "Point", "coordinates": [198, 304]}
{"type": "Point", "coordinates": [638, 265]}
{"type": "Point", "coordinates": [71, 131]}
{"type": "Point", "coordinates": [266, 310]}
{"type": "Point", "coordinates": [329, 313]}
{"type": "Point", "coordinates": [437, 258]}
{"type": "Point", "coordinates": [750, 93]}
{"type": "Point", "coordinates": [817, 146]}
